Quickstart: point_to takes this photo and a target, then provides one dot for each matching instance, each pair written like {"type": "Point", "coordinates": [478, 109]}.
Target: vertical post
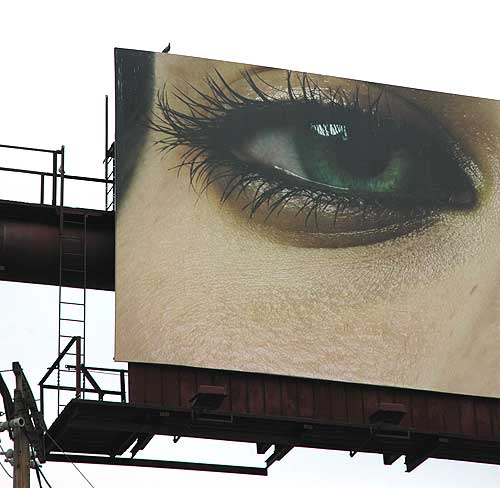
{"type": "Point", "coordinates": [54, 178]}
{"type": "Point", "coordinates": [106, 169]}
{"type": "Point", "coordinates": [106, 133]}
{"type": "Point", "coordinates": [84, 340]}
{"type": "Point", "coordinates": [61, 188]}
{"type": "Point", "coordinates": [122, 386]}
{"type": "Point", "coordinates": [42, 188]}
{"type": "Point", "coordinates": [42, 403]}
{"type": "Point", "coordinates": [21, 444]}
{"type": "Point", "coordinates": [78, 367]}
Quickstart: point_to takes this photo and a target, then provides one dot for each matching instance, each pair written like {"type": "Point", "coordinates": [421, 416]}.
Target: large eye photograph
{"type": "Point", "coordinates": [357, 164]}
{"type": "Point", "coordinates": [291, 223]}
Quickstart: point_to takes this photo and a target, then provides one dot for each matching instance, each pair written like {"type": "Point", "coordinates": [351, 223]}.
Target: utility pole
{"type": "Point", "coordinates": [21, 444]}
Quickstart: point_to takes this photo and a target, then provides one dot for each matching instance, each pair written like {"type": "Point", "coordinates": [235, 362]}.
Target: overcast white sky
{"type": "Point", "coordinates": [56, 67]}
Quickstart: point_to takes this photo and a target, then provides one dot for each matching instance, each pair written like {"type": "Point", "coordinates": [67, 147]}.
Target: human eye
{"type": "Point", "coordinates": [342, 165]}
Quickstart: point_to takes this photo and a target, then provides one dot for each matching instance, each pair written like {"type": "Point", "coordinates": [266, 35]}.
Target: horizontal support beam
{"type": "Point", "coordinates": [245, 430]}
{"type": "Point", "coordinates": [30, 245]}
{"type": "Point", "coordinates": [57, 175]}
{"type": "Point", "coordinates": [93, 368]}
{"type": "Point", "coordinates": [87, 390]}
{"type": "Point", "coordinates": [183, 427]}
{"type": "Point", "coordinates": [153, 463]}
{"type": "Point", "coordinates": [83, 418]}
{"type": "Point", "coordinates": [35, 149]}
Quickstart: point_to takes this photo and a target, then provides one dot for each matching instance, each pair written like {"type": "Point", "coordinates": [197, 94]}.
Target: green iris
{"type": "Point", "coordinates": [356, 154]}
{"type": "Point", "coordinates": [333, 155]}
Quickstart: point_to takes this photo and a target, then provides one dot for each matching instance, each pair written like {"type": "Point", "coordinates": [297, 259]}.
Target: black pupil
{"type": "Point", "coordinates": [359, 149]}
{"type": "Point", "coordinates": [363, 157]}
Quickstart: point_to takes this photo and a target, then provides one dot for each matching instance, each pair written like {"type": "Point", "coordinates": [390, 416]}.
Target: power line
{"type": "Point", "coordinates": [6, 472]}
{"type": "Point", "coordinates": [68, 458]}
{"type": "Point", "coordinates": [38, 470]}
{"type": "Point", "coordinates": [1, 464]}
{"type": "Point", "coordinates": [36, 467]}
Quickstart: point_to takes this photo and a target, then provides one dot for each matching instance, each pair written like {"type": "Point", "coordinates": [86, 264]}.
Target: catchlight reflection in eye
{"type": "Point", "coordinates": [344, 167]}
{"type": "Point", "coordinates": [328, 130]}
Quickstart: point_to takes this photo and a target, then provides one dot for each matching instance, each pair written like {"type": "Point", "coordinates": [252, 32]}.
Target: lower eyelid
{"type": "Point", "coordinates": [296, 222]}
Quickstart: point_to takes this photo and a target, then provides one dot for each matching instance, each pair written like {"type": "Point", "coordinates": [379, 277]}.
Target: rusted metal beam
{"type": "Point", "coordinates": [154, 463]}
{"type": "Point", "coordinates": [29, 245]}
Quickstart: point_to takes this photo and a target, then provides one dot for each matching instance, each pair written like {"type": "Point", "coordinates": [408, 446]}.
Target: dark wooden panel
{"type": "Point", "coordinates": [171, 389]}
{"type": "Point", "coordinates": [420, 417]}
{"type": "Point", "coordinates": [339, 402]}
{"type": "Point", "coordinates": [255, 388]}
{"type": "Point", "coordinates": [354, 401]}
{"type": "Point", "coordinates": [289, 397]}
{"type": "Point", "coordinates": [204, 377]}
{"type": "Point", "coordinates": [221, 378]}
{"type": "Point", "coordinates": [187, 386]}
{"type": "Point", "coordinates": [451, 414]}
{"type": "Point", "coordinates": [239, 393]}
{"type": "Point", "coordinates": [272, 395]}
{"type": "Point", "coordinates": [371, 400]}
{"type": "Point", "coordinates": [467, 416]}
{"type": "Point", "coordinates": [322, 401]}
{"type": "Point", "coordinates": [153, 386]}
{"type": "Point", "coordinates": [435, 411]}
{"type": "Point", "coordinates": [495, 413]}
{"type": "Point", "coordinates": [330, 401]}
{"type": "Point", "coordinates": [305, 396]}
{"type": "Point", "coordinates": [404, 397]}
{"type": "Point", "coordinates": [483, 418]}
{"type": "Point", "coordinates": [136, 382]}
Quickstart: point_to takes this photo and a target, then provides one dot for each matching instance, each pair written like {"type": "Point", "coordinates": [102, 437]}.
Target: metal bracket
{"type": "Point", "coordinates": [142, 441]}
{"type": "Point", "coordinates": [427, 449]}
{"type": "Point", "coordinates": [263, 447]}
{"type": "Point", "coordinates": [373, 432]}
{"type": "Point", "coordinates": [280, 451]}
{"type": "Point", "coordinates": [390, 458]}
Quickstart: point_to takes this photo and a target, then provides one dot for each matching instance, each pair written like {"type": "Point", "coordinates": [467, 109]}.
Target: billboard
{"type": "Point", "coordinates": [297, 224]}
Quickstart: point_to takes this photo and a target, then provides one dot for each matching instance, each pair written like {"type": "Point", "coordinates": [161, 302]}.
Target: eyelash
{"type": "Point", "coordinates": [208, 161]}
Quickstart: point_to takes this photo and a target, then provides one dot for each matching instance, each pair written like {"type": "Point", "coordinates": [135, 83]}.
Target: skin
{"type": "Point", "coordinates": [200, 284]}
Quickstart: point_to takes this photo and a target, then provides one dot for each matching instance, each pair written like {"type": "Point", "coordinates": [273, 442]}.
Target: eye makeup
{"type": "Point", "coordinates": [345, 166]}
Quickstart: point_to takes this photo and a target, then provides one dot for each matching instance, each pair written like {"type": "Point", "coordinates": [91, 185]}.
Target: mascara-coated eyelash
{"type": "Point", "coordinates": [319, 155]}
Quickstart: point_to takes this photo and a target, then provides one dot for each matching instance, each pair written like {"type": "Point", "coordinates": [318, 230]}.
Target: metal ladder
{"type": "Point", "coordinates": [73, 270]}
{"type": "Point", "coordinates": [109, 165]}
{"type": "Point", "coordinates": [72, 299]}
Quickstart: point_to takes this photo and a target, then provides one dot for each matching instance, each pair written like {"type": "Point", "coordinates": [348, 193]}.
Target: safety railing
{"type": "Point", "coordinates": [57, 177]}
{"type": "Point", "coordinates": [80, 371]}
